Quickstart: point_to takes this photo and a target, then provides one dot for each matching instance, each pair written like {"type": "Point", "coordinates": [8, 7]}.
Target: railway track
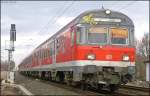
{"type": "Point", "coordinates": [136, 88]}
{"type": "Point", "coordinates": [133, 90]}
{"type": "Point", "coordinates": [124, 89]}
{"type": "Point", "coordinates": [75, 89]}
{"type": "Point", "coordinates": [41, 87]}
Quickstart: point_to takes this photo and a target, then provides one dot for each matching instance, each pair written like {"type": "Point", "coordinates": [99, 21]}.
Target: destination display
{"type": "Point", "coordinates": [97, 30]}
{"type": "Point", "coordinates": [119, 33]}
{"type": "Point", "coordinates": [106, 20]}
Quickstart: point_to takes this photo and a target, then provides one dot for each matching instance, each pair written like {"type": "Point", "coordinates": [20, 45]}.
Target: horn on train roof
{"type": "Point", "coordinates": [102, 7]}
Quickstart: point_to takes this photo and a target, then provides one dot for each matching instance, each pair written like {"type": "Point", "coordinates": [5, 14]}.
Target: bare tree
{"type": "Point", "coordinates": [142, 54]}
{"type": "Point", "coordinates": [143, 46]}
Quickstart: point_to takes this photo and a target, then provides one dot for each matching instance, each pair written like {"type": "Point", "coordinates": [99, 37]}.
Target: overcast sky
{"type": "Point", "coordinates": [38, 20]}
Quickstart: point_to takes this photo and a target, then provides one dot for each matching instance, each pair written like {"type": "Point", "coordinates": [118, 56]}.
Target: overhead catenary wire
{"type": "Point", "coordinates": [113, 5]}
{"type": "Point", "coordinates": [66, 9]}
{"type": "Point", "coordinates": [69, 6]}
{"type": "Point", "coordinates": [50, 20]}
{"type": "Point", "coordinates": [126, 6]}
{"type": "Point", "coordinates": [55, 18]}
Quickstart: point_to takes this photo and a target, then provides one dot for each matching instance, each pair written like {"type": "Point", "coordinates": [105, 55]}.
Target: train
{"type": "Point", "coordinates": [94, 50]}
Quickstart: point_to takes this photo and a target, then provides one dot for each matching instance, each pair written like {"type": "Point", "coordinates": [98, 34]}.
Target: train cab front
{"type": "Point", "coordinates": [107, 52]}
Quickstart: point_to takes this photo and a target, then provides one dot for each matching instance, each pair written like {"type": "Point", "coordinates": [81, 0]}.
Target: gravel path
{"type": "Point", "coordinates": [9, 90]}
{"type": "Point", "coordinates": [37, 87]}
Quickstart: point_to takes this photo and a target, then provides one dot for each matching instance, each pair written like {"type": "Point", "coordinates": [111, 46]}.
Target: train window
{"type": "Point", "coordinates": [34, 55]}
{"type": "Point", "coordinates": [63, 47]}
{"type": "Point", "coordinates": [51, 48]}
{"type": "Point", "coordinates": [38, 54]}
{"type": "Point", "coordinates": [44, 54]}
{"type": "Point", "coordinates": [97, 35]}
{"type": "Point", "coordinates": [41, 54]}
{"type": "Point", "coordinates": [78, 35]}
{"type": "Point", "coordinates": [47, 52]}
{"type": "Point", "coordinates": [57, 46]}
{"type": "Point", "coordinates": [119, 36]}
{"type": "Point", "coordinates": [81, 35]}
{"type": "Point", "coordinates": [51, 52]}
{"type": "Point", "coordinates": [72, 37]}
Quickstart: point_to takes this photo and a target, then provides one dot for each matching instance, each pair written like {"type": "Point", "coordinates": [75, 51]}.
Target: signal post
{"type": "Point", "coordinates": [10, 74]}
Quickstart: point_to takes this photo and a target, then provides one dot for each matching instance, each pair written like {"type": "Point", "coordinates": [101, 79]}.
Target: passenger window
{"type": "Point", "coordinates": [119, 36]}
{"type": "Point", "coordinates": [72, 38]}
{"type": "Point", "coordinates": [51, 52]}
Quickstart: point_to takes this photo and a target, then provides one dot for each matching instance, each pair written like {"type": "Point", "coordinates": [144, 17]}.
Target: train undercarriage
{"type": "Point", "coordinates": [87, 77]}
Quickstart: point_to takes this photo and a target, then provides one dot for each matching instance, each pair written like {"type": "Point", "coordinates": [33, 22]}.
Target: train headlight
{"type": "Point", "coordinates": [91, 57]}
{"type": "Point", "coordinates": [125, 58]}
{"type": "Point", "coordinates": [107, 11]}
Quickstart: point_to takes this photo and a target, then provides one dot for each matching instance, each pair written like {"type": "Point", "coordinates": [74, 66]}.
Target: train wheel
{"type": "Point", "coordinates": [75, 84]}
{"type": "Point", "coordinates": [43, 75]}
{"type": "Point", "coordinates": [113, 87]}
{"type": "Point", "coordinates": [100, 86]}
{"type": "Point", "coordinates": [84, 86]}
{"type": "Point", "coordinates": [49, 76]}
{"type": "Point", "coordinates": [40, 75]}
{"type": "Point", "coordinates": [68, 78]}
{"type": "Point", "coordinates": [69, 83]}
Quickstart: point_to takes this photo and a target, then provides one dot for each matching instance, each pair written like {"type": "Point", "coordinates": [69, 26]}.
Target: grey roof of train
{"type": "Point", "coordinates": [102, 14]}
{"type": "Point", "coordinates": [78, 18]}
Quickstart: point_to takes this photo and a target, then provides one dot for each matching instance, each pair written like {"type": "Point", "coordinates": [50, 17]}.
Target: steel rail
{"type": "Point", "coordinates": [135, 88]}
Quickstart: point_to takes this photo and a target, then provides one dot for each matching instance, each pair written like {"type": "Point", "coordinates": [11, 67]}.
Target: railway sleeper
{"type": "Point", "coordinates": [96, 80]}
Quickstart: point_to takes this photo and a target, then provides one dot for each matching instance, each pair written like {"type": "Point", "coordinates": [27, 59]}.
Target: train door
{"type": "Point", "coordinates": [53, 52]}
{"type": "Point", "coordinates": [36, 59]}
{"type": "Point", "coordinates": [32, 60]}
{"type": "Point", "coordinates": [72, 42]}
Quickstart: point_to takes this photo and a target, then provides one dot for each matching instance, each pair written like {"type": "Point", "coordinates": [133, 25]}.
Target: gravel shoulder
{"type": "Point", "coordinates": [10, 90]}
{"type": "Point", "coordinates": [37, 87]}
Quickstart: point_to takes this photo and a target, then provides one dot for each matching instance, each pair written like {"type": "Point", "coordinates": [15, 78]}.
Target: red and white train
{"type": "Point", "coordinates": [96, 49]}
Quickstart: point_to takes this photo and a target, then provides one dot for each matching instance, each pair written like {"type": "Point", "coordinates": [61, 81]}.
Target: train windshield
{"type": "Point", "coordinates": [91, 35]}
{"type": "Point", "coordinates": [97, 35]}
{"type": "Point", "coordinates": [101, 36]}
{"type": "Point", "coordinates": [119, 36]}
